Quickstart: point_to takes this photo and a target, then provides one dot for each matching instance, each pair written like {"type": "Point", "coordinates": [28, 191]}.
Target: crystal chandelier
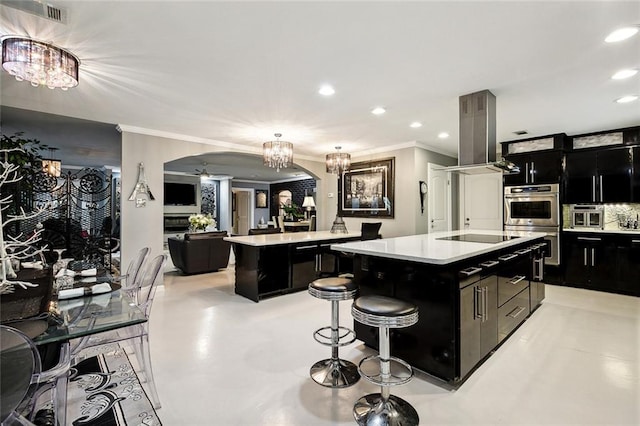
{"type": "Point", "coordinates": [277, 154]}
{"type": "Point", "coordinates": [338, 163]}
{"type": "Point", "coordinates": [39, 63]}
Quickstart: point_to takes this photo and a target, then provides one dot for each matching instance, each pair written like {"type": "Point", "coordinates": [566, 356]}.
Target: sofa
{"type": "Point", "coordinates": [200, 252]}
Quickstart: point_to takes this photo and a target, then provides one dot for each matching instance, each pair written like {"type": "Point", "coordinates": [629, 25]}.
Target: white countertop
{"type": "Point", "coordinates": [632, 232]}
{"type": "Point", "coordinates": [427, 248]}
{"type": "Point", "coordinates": [289, 238]}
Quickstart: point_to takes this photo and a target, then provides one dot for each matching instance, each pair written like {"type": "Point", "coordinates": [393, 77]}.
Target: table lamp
{"type": "Point", "coordinates": [309, 204]}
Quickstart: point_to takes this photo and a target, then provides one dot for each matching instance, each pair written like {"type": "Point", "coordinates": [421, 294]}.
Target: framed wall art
{"type": "Point", "coordinates": [367, 189]}
{"type": "Point", "coordinates": [262, 198]}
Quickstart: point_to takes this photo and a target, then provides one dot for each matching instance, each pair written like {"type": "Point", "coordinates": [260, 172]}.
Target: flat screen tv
{"type": "Point", "coordinates": [179, 194]}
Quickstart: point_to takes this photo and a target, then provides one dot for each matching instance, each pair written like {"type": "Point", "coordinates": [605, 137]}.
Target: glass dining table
{"type": "Point", "coordinates": [83, 316]}
{"type": "Point", "coordinates": [78, 317]}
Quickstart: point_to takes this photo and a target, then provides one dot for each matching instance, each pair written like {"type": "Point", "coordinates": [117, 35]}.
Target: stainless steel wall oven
{"type": "Point", "coordinates": [535, 208]}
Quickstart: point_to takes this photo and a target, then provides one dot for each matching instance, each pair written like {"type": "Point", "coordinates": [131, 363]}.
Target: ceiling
{"type": "Point", "coordinates": [238, 72]}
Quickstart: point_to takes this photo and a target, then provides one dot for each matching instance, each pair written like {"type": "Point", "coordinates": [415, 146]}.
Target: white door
{"type": "Point", "coordinates": [482, 200]}
{"type": "Point", "coordinates": [243, 208]}
{"type": "Point", "coordinates": [438, 200]}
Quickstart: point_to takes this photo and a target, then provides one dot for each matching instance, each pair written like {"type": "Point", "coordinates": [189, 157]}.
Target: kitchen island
{"type": "Point", "coordinates": [473, 288]}
{"type": "Point", "coordinates": [272, 264]}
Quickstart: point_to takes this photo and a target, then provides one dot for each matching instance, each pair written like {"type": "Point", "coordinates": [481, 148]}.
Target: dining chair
{"type": "Point", "coordinates": [370, 230]}
{"type": "Point", "coordinates": [130, 280]}
{"type": "Point", "coordinates": [23, 382]}
{"type": "Point", "coordinates": [281, 223]}
{"type": "Point", "coordinates": [312, 223]}
{"type": "Point", "coordinates": [135, 335]}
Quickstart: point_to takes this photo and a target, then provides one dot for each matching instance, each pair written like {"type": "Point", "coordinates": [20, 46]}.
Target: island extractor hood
{"type": "Point", "coordinates": [477, 144]}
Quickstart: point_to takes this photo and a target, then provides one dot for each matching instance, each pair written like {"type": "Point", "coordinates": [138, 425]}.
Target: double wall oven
{"type": "Point", "coordinates": [535, 208]}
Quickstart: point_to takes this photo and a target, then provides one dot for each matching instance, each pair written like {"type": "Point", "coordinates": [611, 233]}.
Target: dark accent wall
{"type": "Point", "coordinates": [297, 189]}
{"type": "Point", "coordinates": [209, 191]}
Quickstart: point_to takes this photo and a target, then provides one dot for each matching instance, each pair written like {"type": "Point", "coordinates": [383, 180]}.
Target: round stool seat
{"type": "Point", "coordinates": [380, 311]}
{"type": "Point", "coordinates": [333, 288]}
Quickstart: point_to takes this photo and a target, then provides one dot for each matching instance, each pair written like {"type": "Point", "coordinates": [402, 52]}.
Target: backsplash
{"type": "Point", "coordinates": [611, 212]}
{"type": "Point", "coordinates": [624, 212]}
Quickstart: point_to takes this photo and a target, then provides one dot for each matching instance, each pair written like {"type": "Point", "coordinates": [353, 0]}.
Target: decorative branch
{"type": "Point", "coordinates": [18, 247]}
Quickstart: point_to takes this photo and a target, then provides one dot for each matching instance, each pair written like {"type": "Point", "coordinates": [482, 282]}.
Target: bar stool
{"type": "Point", "coordinates": [334, 372]}
{"type": "Point", "coordinates": [383, 408]}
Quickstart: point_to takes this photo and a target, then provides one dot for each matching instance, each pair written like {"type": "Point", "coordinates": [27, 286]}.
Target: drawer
{"type": "Point", "coordinates": [512, 313]}
{"type": "Point", "coordinates": [510, 285]}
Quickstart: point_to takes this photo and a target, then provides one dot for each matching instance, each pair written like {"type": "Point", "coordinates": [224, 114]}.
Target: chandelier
{"type": "Point", "coordinates": [277, 154]}
{"type": "Point", "coordinates": [39, 63]}
{"type": "Point", "coordinates": [338, 162]}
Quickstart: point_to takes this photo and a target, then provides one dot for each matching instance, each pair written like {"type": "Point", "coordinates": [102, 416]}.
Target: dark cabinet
{"type": "Point", "coordinates": [535, 168]}
{"type": "Point", "coordinates": [478, 321]}
{"type": "Point", "coordinates": [304, 263]}
{"type": "Point", "coordinates": [590, 260]}
{"type": "Point", "coordinates": [603, 176]}
{"type": "Point", "coordinates": [628, 265]}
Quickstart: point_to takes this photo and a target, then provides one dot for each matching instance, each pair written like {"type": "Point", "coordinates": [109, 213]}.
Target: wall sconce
{"type": "Point", "coordinates": [52, 166]}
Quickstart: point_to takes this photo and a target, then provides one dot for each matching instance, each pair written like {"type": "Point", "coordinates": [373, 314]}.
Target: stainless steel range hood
{"type": "Point", "coordinates": [477, 145]}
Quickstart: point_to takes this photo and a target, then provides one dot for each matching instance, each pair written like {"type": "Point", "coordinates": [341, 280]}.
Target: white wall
{"type": "Point", "coordinates": [141, 227]}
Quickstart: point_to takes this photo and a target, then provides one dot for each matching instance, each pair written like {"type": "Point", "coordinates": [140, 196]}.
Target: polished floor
{"type": "Point", "coordinates": [221, 359]}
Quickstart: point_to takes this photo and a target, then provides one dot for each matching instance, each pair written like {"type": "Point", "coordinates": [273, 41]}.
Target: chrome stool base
{"type": "Point", "coordinates": [372, 409]}
{"type": "Point", "coordinates": [334, 373]}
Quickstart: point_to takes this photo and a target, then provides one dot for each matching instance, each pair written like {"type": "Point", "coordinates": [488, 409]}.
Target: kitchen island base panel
{"type": "Point", "coordinates": [434, 345]}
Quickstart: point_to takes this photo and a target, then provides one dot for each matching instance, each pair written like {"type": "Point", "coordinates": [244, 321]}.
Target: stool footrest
{"type": "Point", "coordinates": [400, 371]}
{"type": "Point", "coordinates": [346, 336]}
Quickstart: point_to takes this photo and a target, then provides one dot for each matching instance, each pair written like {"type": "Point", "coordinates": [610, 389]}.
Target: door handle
{"type": "Point", "coordinates": [593, 256]}
{"type": "Point", "coordinates": [585, 256]}
{"type": "Point", "coordinates": [593, 188]}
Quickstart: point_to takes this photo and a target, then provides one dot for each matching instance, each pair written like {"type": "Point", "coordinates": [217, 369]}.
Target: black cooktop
{"type": "Point", "coordinates": [479, 238]}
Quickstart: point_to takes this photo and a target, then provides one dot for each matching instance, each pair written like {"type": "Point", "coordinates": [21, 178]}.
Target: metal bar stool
{"type": "Point", "coordinates": [383, 408]}
{"type": "Point", "coordinates": [334, 372]}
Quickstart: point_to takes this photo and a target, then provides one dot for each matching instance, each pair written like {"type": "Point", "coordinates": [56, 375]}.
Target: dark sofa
{"type": "Point", "coordinates": [200, 252]}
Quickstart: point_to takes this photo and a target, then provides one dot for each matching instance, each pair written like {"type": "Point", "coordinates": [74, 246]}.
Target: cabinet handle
{"type": "Point", "coordinates": [526, 176]}
{"type": "Point", "coordinates": [585, 256]}
{"type": "Point", "coordinates": [485, 299]}
{"type": "Point", "coordinates": [507, 257]}
{"type": "Point", "coordinates": [305, 247]}
{"type": "Point", "coordinates": [477, 301]}
{"type": "Point", "coordinates": [514, 314]}
{"type": "Point", "coordinates": [635, 241]}
{"type": "Point", "coordinates": [601, 190]}
{"type": "Point", "coordinates": [593, 256]}
{"type": "Point", "coordinates": [593, 188]}
{"type": "Point", "coordinates": [538, 266]}
{"type": "Point", "coordinates": [533, 173]}
{"type": "Point", "coordinates": [515, 280]}
{"type": "Point", "coordinates": [589, 239]}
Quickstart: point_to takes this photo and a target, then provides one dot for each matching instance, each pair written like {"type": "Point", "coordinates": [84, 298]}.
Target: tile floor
{"type": "Point", "coordinates": [221, 359]}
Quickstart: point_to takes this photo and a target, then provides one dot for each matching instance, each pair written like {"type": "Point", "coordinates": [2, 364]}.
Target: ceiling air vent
{"type": "Point", "coordinates": [43, 10]}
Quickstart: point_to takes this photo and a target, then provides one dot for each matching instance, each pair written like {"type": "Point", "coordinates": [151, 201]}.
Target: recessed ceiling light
{"type": "Point", "coordinates": [415, 124]}
{"type": "Point", "coordinates": [378, 111]}
{"type": "Point", "coordinates": [621, 34]}
{"type": "Point", "coordinates": [626, 99]}
{"type": "Point", "coordinates": [443, 135]}
{"type": "Point", "coordinates": [326, 90]}
{"type": "Point", "coordinates": [622, 74]}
